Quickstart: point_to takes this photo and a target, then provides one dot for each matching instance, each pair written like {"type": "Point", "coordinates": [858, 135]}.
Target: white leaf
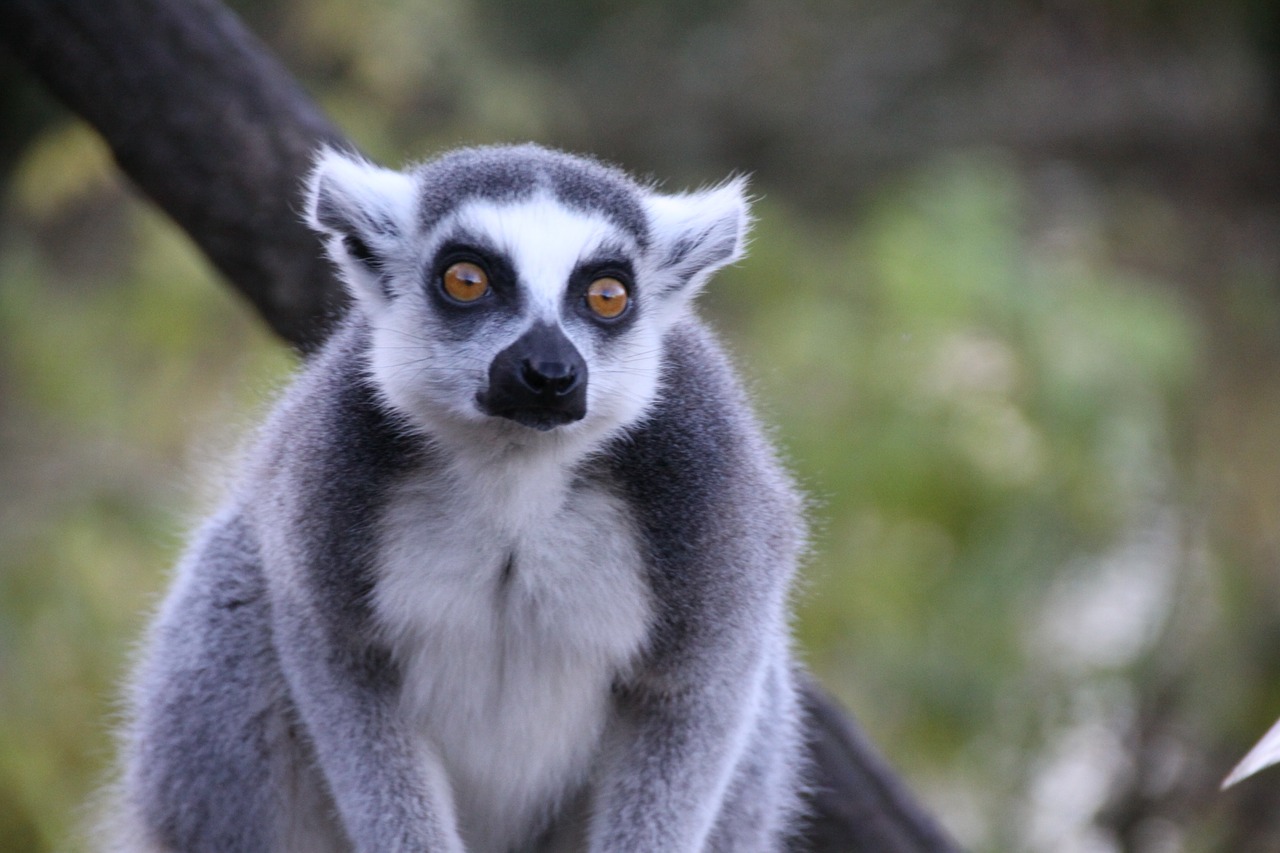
{"type": "Point", "coordinates": [1262, 756]}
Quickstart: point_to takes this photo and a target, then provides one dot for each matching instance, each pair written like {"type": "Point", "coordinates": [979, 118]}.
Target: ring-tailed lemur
{"type": "Point", "coordinates": [508, 568]}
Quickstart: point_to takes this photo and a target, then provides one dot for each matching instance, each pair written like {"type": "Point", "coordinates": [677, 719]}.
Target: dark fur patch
{"type": "Point", "coordinates": [512, 173]}
{"type": "Point", "coordinates": [685, 473]}
{"type": "Point", "coordinates": [347, 455]}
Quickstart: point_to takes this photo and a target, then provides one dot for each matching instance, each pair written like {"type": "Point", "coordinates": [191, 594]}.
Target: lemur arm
{"type": "Point", "coordinates": [317, 488]}
{"type": "Point", "coordinates": [391, 795]}
{"type": "Point", "coordinates": [671, 763]}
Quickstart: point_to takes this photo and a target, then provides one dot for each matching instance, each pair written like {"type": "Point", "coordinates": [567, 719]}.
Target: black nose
{"type": "Point", "coordinates": [539, 381]}
{"type": "Point", "coordinates": [554, 378]}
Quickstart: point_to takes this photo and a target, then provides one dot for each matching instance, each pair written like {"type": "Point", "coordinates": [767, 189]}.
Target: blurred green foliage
{"type": "Point", "coordinates": [1005, 432]}
{"type": "Point", "coordinates": [109, 377]}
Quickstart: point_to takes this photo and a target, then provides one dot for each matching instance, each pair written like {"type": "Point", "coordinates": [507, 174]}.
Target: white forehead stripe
{"type": "Point", "coordinates": [544, 240]}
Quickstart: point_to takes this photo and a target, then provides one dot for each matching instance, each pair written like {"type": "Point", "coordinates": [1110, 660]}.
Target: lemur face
{"type": "Point", "coordinates": [549, 298]}
{"type": "Point", "coordinates": [519, 292]}
{"type": "Point", "coordinates": [526, 311]}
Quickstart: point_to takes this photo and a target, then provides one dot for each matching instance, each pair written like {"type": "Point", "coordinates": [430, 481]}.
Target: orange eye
{"type": "Point", "coordinates": [607, 297]}
{"type": "Point", "coordinates": [466, 282]}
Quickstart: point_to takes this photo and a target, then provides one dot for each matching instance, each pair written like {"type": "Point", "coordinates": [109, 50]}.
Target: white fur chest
{"type": "Point", "coordinates": [511, 599]}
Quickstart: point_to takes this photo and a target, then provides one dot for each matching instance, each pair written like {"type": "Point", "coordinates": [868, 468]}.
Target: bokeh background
{"type": "Point", "coordinates": [1012, 308]}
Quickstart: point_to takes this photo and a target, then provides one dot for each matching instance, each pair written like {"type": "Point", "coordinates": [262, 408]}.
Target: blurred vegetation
{"type": "Point", "coordinates": [1022, 357]}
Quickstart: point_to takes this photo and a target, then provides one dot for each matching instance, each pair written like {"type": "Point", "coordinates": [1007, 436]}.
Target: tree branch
{"type": "Point", "coordinates": [857, 803]}
{"type": "Point", "coordinates": [207, 124]}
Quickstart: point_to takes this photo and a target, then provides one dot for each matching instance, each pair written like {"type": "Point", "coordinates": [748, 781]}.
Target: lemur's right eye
{"type": "Point", "coordinates": [465, 281]}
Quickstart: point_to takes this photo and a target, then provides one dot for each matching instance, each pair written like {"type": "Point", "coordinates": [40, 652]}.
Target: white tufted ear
{"type": "Point", "coordinates": [365, 212]}
{"type": "Point", "coordinates": [696, 234]}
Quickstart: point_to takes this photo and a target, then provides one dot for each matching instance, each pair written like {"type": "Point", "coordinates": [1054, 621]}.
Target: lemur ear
{"type": "Point", "coordinates": [365, 212]}
{"type": "Point", "coordinates": [696, 234]}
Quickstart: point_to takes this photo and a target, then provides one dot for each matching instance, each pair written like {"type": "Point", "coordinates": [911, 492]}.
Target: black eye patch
{"type": "Point", "coordinates": [496, 264]}
{"type": "Point", "coordinates": [603, 266]}
{"type": "Point", "coordinates": [503, 300]}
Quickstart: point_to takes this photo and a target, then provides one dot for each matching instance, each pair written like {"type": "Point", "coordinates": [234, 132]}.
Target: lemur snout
{"type": "Point", "coordinates": [539, 381]}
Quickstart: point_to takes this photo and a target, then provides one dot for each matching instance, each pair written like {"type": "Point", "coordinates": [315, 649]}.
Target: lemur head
{"type": "Point", "coordinates": [518, 290]}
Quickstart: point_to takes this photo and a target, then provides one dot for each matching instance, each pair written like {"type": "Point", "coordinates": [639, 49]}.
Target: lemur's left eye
{"type": "Point", "coordinates": [607, 297]}
{"type": "Point", "coordinates": [465, 281]}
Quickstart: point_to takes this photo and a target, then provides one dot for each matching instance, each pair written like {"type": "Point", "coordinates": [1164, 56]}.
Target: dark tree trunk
{"type": "Point", "coordinates": [857, 802]}
{"type": "Point", "coordinates": [218, 134]}
{"type": "Point", "coordinates": [207, 123]}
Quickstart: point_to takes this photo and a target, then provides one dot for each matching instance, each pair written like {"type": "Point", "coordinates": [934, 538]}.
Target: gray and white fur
{"type": "Point", "coordinates": [500, 575]}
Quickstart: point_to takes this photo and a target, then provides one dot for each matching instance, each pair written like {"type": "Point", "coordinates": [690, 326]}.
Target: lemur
{"type": "Point", "coordinates": [507, 567]}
